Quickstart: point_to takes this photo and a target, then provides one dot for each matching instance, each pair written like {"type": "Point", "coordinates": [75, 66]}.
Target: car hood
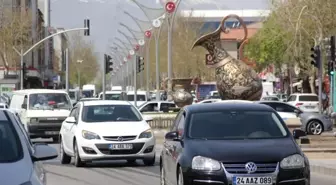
{"type": "Point", "coordinates": [116, 128]}
{"type": "Point", "coordinates": [15, 173]}
{"type": "Point", "coordinates": [48, 113]}
{"type": "Point", "coordinates": [257, 150]}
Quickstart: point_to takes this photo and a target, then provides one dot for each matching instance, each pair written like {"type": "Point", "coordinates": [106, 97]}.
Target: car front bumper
{"type": "Point", "coordinates": [222, 177]}
{"type": "Point", "coordinates": [44, 130]}
{"type": "Point", "coordinates": [94, 150]}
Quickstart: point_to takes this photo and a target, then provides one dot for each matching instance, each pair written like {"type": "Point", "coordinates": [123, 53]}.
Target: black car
{"type": "Point", "coordinates": [232, 144]}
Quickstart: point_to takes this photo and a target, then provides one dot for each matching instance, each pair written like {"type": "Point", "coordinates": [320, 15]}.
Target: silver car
{"type": "Point", "coordinates": [20, 160]}
{"type": "Point", "coordinates": [313, 123]}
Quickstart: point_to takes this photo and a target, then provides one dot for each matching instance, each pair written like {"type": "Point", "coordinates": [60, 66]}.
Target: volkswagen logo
{"type": "Point", "coordinates": [120, 138]}
{"type": "Point", "coordinates": [251, 167]}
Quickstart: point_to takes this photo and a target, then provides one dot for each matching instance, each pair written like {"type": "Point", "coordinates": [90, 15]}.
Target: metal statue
{"type": "Point", "coordinates": [235, 79]}
{"type": "Point", "coordinates": [181, 97]}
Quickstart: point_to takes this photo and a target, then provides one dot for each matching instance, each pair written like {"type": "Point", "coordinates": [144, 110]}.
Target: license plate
{"type": "Point", "coordinates": [51, 132]}
{"type": "Point", "coordinates": [252, 180]}
{"type": "Point", "coordinates": [120, 146]}
{"type": "Point", "coordinates": [310, 107]}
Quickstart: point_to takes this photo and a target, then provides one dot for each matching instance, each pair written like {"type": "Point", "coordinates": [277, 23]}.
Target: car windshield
{"type": "Point", "coordinates": [236, 125]}
{"type": "Point", "coordinates": [10, 146]}
{"type": "Point", "coordinates": [72, 95]}
{"type": "Point", "coordinates": [49, 101]}
{"type": "Point", "coordinates": [270, 98]}
{"type": "Point", "coordinates": [140, 97]}
{"type": "Point", "coordinates": [110, 113]}
{"type": "Point", "coordinates": [87, 93]}
{"type": "Point", "coordinates": [111, 96]}
{"type": "Point", "coordinates": [308, 98]}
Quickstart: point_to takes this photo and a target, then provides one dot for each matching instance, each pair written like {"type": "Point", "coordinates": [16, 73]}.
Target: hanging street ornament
{"type": "Point", "coordinates": [121, 64]}
{"type": "Point", "coordinates": [125, 59]}
{"type": "Point", "coordinates": [156, 23]}
{"type": "Point", "coordinates": [131, 52]}
{"type": "Point", "coordinates": [128, 56]}
{"type": "Point", "coordinates": [136, 48]}
{"type": "Point", "coordinates": [148, 33]}
{"type": "Point", "coordinates": [170, 7]}
{"type": "Point", "coordinates": [141, 42]}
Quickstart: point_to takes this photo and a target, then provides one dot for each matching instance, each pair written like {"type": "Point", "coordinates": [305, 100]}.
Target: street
{"type": "Point", "coordinates": [118, 172]}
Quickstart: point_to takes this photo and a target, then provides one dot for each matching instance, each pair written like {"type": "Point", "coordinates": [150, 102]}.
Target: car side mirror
{"type": "Point", "coordinates": [297, 133]}
{"type": "Point", "coordinates": [24, 106]}
{"type": "Point", "coordinates": [147, 118]}
{"type": "Point", "coordinates": [70, 120]}
{"type": "Point", "coordinates": [172, 136]}
{"type": "Point", "coordinates": [44, 152]}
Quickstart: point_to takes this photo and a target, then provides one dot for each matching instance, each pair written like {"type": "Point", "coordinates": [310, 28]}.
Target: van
{"type": "Point", "coordinates": [42, 111]}
{"type": "Point", "coordinates": [111, 95]}
{"type": "Point", "coordinates": [141, 97]}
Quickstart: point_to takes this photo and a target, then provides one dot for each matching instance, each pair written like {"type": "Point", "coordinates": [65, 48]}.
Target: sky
{"type": "Point", "coordinates": [105, 15]}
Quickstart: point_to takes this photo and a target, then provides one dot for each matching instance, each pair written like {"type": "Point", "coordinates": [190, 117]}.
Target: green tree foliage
{"type": "Point", "coordinates": [186, 63]}
{"type": "Point", "coordinates": [81, 49]}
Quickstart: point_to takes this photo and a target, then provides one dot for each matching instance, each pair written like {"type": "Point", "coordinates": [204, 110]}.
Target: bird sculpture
{"type": "Point", "coordinates": [234, 78]}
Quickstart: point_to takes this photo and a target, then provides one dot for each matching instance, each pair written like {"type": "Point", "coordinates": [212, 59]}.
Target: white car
{"type": "Point", "coordinates": [106, 130]}
{"type": "Point", "coordinates": [305, 102]}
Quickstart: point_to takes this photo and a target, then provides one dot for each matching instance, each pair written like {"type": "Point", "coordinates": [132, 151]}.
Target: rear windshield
{"type": "Point", "coordinates": [10, 145]}
{"type": "Point", "coordinates": [308, 98]}
{"type": "Point", "coordinates": [236, 125]}
{"type": "Point", "coordinates": [111, 96]}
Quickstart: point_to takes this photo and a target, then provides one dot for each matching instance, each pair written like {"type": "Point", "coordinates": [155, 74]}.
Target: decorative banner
{"type": "Point", "coordinates": [141, 42]}
{"type": "Point", "coordinates": [128, 56]}
{"type": "Point", "coordinates": [156, 23]}
{"type": "Point", "coordinates": [148, 33]}
{"type": "Point", "coordinates": [209, 60]}
{"type": "Point", "coordinates": [131, 52]}
{"type": "Point", "coordinates": [136, 48]}
{"type": "Point", "coordinates": [125, 59]}
{"type": "Point", "coordinates": [170, 7]}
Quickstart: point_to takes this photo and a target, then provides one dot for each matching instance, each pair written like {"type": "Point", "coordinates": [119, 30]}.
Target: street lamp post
{"type": "Point", "coordinates": [79, 75]}
{"type": "Point", "coordinates": [170, 8]}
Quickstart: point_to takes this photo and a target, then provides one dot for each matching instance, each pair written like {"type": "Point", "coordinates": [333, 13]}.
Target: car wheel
{"type": "Point", "coordinates": [162, 176]}
{"type": "Point", "coordinates": [180, 180]}
{"type": "Point", "coordinates": [65, 158]}
{"type": "Point", "coordinates": [131, 161]}
{"type": "Point", "coordinates": [78, 160]}
{"type": "Point", "coordinates": [150, 161]}
{"type": "Point", "coordinates": [315, 127]}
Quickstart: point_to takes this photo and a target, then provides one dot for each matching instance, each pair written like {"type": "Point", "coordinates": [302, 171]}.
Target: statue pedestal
{"type": "Point", "coordinates": [181, 97]}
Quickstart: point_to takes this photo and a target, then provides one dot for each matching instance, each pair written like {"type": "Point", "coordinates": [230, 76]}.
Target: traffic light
{"type": "Point", "coordinates": [140, 63]}
{"type": "Point", "coordinates": [108, 63]}
{"type": "Point", "coordinates": [87, 25]}
{"type": "Point", "coordinates": [316, 57]}
{"type": "Point", "coordinates": [331, 58]}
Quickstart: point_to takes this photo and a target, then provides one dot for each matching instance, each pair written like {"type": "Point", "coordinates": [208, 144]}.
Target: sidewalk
{"type": "Point", "coordinates": [323, 166]}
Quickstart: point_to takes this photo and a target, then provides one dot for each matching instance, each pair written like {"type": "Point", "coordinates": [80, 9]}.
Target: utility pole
{"type": "Point", "coordinates": [46, 32]}
{"type": "Point", "coordinates": [67, 70]}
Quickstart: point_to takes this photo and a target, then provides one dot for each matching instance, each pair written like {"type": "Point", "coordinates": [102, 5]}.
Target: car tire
{"type": "Point", "coordinates": [162, 176]}
{"type": "Point", "coordinates": [180, 179]}
{"type": "Point", "coordinates": [65, 158]}
{"type": "Point", "coordinates": [149, 161]}
{"type": "Point", "coordinates": [78, 160]}
{"type": "Point", "coordinates": [314, 127]}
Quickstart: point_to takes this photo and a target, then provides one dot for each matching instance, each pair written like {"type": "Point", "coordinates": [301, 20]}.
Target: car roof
{"type": "Point", "coordinates": [206, 107]}
{"type": "Point", "coordinates": [105, 102]}
{"type": "Point", "coordinates": [30, 91]}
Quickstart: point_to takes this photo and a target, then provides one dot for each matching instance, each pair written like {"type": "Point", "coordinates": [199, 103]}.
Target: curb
{"type": "Point", "coordinates": [323, 170]}
{"type": "Point", "coordinates": [318, 150]}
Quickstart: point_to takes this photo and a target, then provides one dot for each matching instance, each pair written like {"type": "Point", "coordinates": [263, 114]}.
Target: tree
{"type": "Point", "coordinates": [81, 50]}
{"type": "Point", "coordinates": [186, 63]}
{"type": "Point", "coordinates": [15, 31]}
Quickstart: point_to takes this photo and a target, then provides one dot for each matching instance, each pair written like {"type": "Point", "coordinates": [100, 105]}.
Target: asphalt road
{"type": "Point", "coordinates": [118, 172]}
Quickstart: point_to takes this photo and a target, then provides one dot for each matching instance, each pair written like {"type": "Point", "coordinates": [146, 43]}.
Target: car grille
{"type": "Point", "coordinates": [104, 148]}
{"type": "Point", "coordinates": [115, 138]}
{"type": "Point", "coordinates": [55, 120]}
{"type": "Point", "coordinates": [239, 168]}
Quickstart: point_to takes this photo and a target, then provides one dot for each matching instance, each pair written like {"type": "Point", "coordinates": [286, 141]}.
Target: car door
{"type": "Point", "coordinates": [287, 113]}
{"type": "Point", "coordinates": [74, 127]}
{"type": "Point", "coordinates": [177, 145]}
{"type": "Point", "coordinates": [167, 153]}
{"type": "Point", "coordinates": [165, 107]}
{"type": "Point", "coordinates": [66, 131]}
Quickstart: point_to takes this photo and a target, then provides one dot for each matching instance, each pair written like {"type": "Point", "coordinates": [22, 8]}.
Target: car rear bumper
{"type": "Point", "coordinates": [44, 130]}
{"type": "Point", "coordinates": [94, 151]}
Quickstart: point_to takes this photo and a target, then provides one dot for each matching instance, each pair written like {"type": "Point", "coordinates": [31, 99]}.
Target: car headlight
{"type": "Point", "coordinates": [89, 135]}
{"type": "Point", "coordinates": [292, 162]}
{"type": "Point", "coordinates": [33, 120]}
{"type": "Point", "coordinates": [26, 183]}
{"type": "Point", "coordinates": [205, 164]}
{"type": "Point", "coordinates": [146, 134]}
